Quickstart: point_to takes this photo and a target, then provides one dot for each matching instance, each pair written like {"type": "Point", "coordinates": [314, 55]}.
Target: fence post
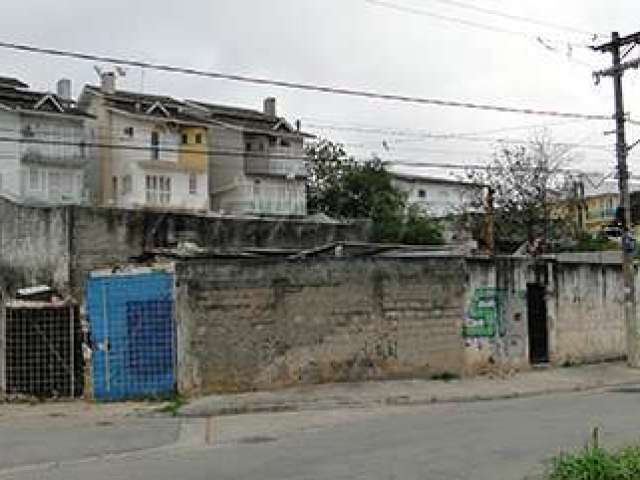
{"type": "Point", "coordinates": [3, 343]}
{"type": "Point", "coordinates": [72, 350]}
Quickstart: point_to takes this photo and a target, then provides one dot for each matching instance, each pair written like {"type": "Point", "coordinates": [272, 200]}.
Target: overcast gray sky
{"type": "Point", "coordinates": [349, 43]}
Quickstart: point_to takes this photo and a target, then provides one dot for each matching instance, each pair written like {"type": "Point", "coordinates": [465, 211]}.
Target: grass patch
{"type": "Point", "coordinates": [596, 463]}
{"type": "Point", "coordinates": [445, 376]}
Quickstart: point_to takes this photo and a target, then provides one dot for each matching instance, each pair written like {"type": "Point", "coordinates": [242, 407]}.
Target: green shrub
{"type": "Point", "coordinates": [598, 464]}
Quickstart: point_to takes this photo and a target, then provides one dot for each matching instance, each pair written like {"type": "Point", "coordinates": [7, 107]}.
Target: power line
{"type": "Point", "coordinates": [337, 123]}
{"type": "Point", "coordinates": [298, 86]}
{"type": "Point", "coordinates": [444, 136]}
{"type": "Point", "coordinates": [520, 18]}
{"type": "Point", "coordinates": [537, 39]}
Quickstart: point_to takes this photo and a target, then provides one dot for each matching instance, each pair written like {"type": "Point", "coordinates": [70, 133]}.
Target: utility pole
{"type": "Point", "coordinates": [628, 245]}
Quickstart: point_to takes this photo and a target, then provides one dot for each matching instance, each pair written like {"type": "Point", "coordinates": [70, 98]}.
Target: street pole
{"type": "Point", "coordinates": [617, 72]}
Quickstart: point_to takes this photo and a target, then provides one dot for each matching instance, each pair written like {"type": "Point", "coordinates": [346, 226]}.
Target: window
{"type": "Point", "coordinates": [165, 190]}
{"type": "Point", "coordinates": [261, 147]}
{"type": "Point", "coordinates": [272, 142]}
{"type": "Point", "coordinates": [422, 193]}
{"type": "Point", "coordinates": [193, 183]}
{"type": "Point", "coordinates": [114, 187]}
{"type": "Point", "coordinates": [34, 179]}
{"type": "Point", "coordinates": [198, 138]}
{"type": "Point", "coordinates": [248, 146]}
{"type": "Point", "coordinates": [128, 131]}
{"type": "Point", "coordinates": [126, 185]}
{"type": "Point", "coordinates": [285, 143]}
{"type": "Point", "coordinates": [185, 139]}
{"type": "Point", "coordinates": [158, 189]}
{"type": "Point", "coordinates": [54, 185]}
{"type": "Point", "coordinates": [155, 146]}
{"type": "Point", "coordinates": [83, 149]}
{"type": "Point", "coordinates": [66, 181]}
{"type": "Point", "coordinates": [152, 189]}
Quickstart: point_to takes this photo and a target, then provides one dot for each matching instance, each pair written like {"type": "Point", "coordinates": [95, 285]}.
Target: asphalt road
{"type": "Point", "coordinates": [482, 441]}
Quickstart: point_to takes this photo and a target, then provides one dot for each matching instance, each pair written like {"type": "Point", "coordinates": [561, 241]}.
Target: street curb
{"type": "Point", "coordinates": [397, 401]}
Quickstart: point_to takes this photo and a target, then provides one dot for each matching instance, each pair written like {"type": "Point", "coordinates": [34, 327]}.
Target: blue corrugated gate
{"type": "Point", "coordinates": [133, 334]}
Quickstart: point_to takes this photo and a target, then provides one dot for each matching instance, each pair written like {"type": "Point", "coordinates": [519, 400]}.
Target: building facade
{"type": "Point", "coordinates": [43, 155]}
{"type": "Point", "coordinates": [257, 161]}
{"type": "Point", "coordinates": [437, 196]}
{"type": "Point", "coordinates": [151, 152]}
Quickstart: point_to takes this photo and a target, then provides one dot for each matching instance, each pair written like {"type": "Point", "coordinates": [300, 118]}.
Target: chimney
{"type": "Point", "coordinates": [270, 106]}
{"type": "Point", "coordinates": [63, 89]}
{"type": "Point", "coordinates": [108, 82]}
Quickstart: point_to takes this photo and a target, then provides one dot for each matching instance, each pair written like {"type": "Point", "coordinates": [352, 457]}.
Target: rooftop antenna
{"type": "Point", "coordinates": [98, 70]}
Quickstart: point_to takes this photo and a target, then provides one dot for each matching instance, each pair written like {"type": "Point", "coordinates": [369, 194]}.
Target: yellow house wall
{"type": "Point", "coordinates": [194, 155]}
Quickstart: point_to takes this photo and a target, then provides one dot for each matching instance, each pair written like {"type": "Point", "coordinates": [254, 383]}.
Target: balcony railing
{"type": "Point", "coordinates": [602, 214]}
{"type": "Point", "coordinates": [267, 165]}
{"type": "Point", "coordinates": [265, 200]}
{"type": "Point", "coordinates": [33, 156]}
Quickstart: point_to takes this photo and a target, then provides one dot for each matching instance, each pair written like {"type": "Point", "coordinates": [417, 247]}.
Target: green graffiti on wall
{"type": "Point", "coordinates": [485, 313]}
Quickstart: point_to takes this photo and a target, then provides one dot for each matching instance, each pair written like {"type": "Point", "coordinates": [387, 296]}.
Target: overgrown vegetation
{"type": "Point", "coordinates": [589, 243]}
{"type": "Point", "coordinates": [595, 463]}
{"type": "Point", "coordinates": [343, 188]}
{"type": "Point", "coordinates": [533, 197]}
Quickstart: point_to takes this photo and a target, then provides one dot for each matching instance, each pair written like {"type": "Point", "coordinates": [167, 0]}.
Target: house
{"type": "Point", "coordinates": [258, 161]}
{"type": "Point", "coordinates": [42, 153]}
{"type": "Point", "coordinates": [437, 196]}
{"type": "Point", "coordinates": [152, 151]}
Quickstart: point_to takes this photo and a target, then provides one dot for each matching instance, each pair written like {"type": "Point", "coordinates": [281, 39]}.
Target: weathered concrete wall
{"type": "Point", "coordinates": [495, 319]}
{"type": "Point", "coordinates": [244, 326]}
{"type": "Point", "coordinates": [586, 311]}
{"type": "Point", "coordinates": [40, 241]}
{"type": "Point", "coordinates": [34, 245]}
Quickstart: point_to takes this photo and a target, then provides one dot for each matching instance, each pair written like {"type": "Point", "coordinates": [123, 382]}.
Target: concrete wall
{"type": "Point", "coordinates": [34, 245]}
{"type": "Point", "coordinates": [586, 310]}
{"type": "Point", "coordinates": [267, 325]}
{"type": "Point", "coordinates": [39, 241]}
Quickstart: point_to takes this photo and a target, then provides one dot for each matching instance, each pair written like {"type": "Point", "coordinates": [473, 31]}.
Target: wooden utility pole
{"type": "Point", "coordinates": [628, 245]}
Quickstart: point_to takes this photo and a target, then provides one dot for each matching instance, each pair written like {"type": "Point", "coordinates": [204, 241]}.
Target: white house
{"type": "Point", "coordinates": [42, 149]}
{"type": "Point", "coordinates": [257, 162]}
{"type": "Point", "coordinates": [437, 196]}
{"type": "Point", "coordinates": [152, 152]}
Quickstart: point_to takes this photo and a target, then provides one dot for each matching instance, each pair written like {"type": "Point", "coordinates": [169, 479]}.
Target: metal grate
{"type": "Point", "coordinates": [42, 350]}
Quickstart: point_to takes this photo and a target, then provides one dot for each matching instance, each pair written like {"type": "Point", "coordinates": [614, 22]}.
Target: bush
{"type": "Point", "coordinates": [598, 464]}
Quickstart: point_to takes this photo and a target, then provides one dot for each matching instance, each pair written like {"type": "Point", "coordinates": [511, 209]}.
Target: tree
{"type": "Point", "coordinates": [532, 193]}
{"type": "Point", "coordinates": [341, 187]}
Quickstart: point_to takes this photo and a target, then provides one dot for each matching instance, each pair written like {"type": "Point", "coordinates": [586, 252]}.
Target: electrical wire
{"type": "Point", "coordinates": [537, 39]}
{"type": "Point", "coordinates": [520, 18]}
{"type": "Point", "coordinates": [299, 86]}
{"type": "Point", "coordinates": [475, 138]}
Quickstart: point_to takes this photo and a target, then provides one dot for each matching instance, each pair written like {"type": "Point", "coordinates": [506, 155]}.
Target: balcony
{"type": "Point", "coordinates": [274, 166]}
{"type": "Point", "coordinates": [63, 159]}
{"type": "Point", "coordinates": [602, 214]}
{"type": "Point", "coordinates": [263, 200]}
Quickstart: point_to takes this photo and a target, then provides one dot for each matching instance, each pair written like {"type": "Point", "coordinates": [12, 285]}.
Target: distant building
{"type": "Point", "coordinates": [437, 196]}
{"type": "Point", "coordinates": [154, 151]}
{"type": "Point", "coordinates": [257, 162]}
{"type": "Point", "coordinates": [42, 155]}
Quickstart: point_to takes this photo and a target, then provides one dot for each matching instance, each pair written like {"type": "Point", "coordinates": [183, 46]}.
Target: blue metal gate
{"type": "Point", "coordinates": [133, 334]}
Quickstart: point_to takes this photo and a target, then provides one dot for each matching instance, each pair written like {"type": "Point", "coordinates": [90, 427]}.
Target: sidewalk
{"type": "Point", "coordinates": [416, 392]}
